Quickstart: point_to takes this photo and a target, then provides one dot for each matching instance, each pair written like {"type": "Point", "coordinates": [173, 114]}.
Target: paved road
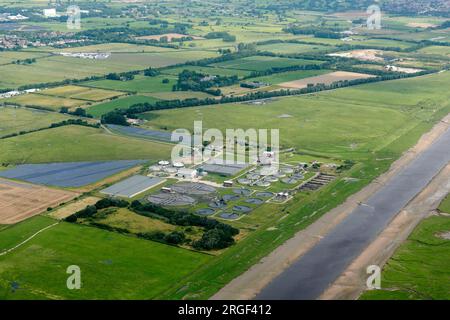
{"type": "Point", "coordinates": [311, 274]}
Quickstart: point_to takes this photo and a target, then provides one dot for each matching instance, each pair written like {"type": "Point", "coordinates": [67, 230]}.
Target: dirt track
{"type": "Point", "coordinates": [250, 283]}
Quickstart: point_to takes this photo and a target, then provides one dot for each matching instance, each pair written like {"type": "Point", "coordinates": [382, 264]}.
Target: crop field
{"type": "Point", "coordinates": [345, 121]}
{"type": "Point", "coordinates": [382, 43]}
{"type": "Point", "coordinates": [425, 93]}
{"type": "Point", "coordinates": [215, 71]}
{"type": "Point", "coordinates": [117, 48]}
{"type": "Point", "coordinates": [319, 41]}
{"type": "Point", "coordinates": [15, 120]}
{"type": "Point", "coordinates": [292, 48]}
{"type": "Point", "coordinates": [44, 101]}
{"type": "Point", "coordinates": [140, 84]}
{"type": "Point", "coordinates": [170, 37]}
{"type": "Point", "coordinates": [419, 268]}
{"type": "Point", "coordinates": [113, 266]}
{"type": "Point", "coordinates": [142, 133]}
{"type": "Point", "coordinates": [445, 205]}
{"type": "Point", "coordinates": [8, 57]}
{"type": "Point", "coordinates": [278, 78]}
{"type": "Point", "coordinates": [20, 201]}
{"type": "Point", "coordinates": [82, 93]}
{"type": "Point", "coordinates": [259, 63]}
{"type": "Point", "coordinates": [77, 143]}
{"type": "Point", "coordinates": [68, 174]}
{"type": "Point", "coordinates": [436, 50]}
{"type": "Point", "coordinates": [124, 218]}
{"type": "Point", "coordinates": [323, 126]}
{"type": "Point", "coordinates": [328, 78]}
{"type": "Point", "coordinates": [99, 109]}
{"type": "Point", "coordinates": [64, 211]}
{"type": "Point", "coordinates": [57, 68]}
{"type": "Point", "coordinates": [174, 95]}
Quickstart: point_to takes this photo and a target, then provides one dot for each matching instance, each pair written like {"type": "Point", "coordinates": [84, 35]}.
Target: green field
{"type": "Point", "coordinates": [15, 120]}
{"type": "Point", "coordinates": [350, 121]}
{"type": "Point", "coordinates": [47, 102]}
{"type": "Point", "coordinates": [58, 68]}
{"type": "Point", "coordinates": [445, 205]}
{"type": "Point", "coordinates": [181, 95]}
{"type": "Point", "coordinates": [208, 70]}
{"type": "Point", "coordinates": [315, 124]}
{"type": "Point", "coordinates": [419, 269]}
{"type": "Point", "coordinates": [277, 78]}
{"type": "Point", "coordinates": [99, 109]}
{"type": "Point", "coordinates": [425, 94]}
{"type": "Point", "coordinates": [382, 43]}
{"type": "Point", "coordinates": [112, 266]}
{"type": "Point", "coordinates": [141, 84]}
{"type": "Point", "coordinates": [117, 48]}
{"type": "Point", "coordinates": [260, 63]}
{"type": "Point", "coordinates": [7, 57]}
{"type": "Point", "coordinates": [77, 143]}
{"type": "Point", "coordinates": [82, 93]}
{"type": "Point", "coordinates": [436, 50]}
{"type": "Point", "coordinates": [293, 48]}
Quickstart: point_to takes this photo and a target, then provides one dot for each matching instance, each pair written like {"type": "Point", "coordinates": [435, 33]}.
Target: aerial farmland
{"type": "Point", "coordinates": [127, 152]}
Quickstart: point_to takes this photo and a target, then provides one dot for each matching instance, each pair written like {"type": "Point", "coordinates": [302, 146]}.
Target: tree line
{"type": "Point", "coordinates": [138, 108]}
{"type": "Point", "coordinates": [216, 235]}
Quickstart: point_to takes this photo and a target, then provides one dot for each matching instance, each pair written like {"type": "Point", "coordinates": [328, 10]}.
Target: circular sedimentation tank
{"type": "Point", "coordinates": [264, 194]}
{"type": "Point", "coordinates": [171, 199]}
{"type": "Point", "coordinates": [242, 209]}
{"type": "Point", "coordinates": [263, 184]}
{"type": "Point", "coordinates": [205, 212]}
{"type": "Point", "coordinates": [230, 197]}
{"type": "Point", "coordinates": [229, 216]}
{"type": "Point", "coordinates": [242, 191]}
{"type": "Point", "coordinates": [217, 204]}
{"type": "Point", "coordinates": [254, 201]}
{"type": "Point", "coordinates": [244, 181]}
{"type": "Point", "coordinates": [193, 188]}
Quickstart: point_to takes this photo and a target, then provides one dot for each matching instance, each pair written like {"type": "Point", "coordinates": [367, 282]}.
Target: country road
{"type": "Point", "coordinates": [313, 272]}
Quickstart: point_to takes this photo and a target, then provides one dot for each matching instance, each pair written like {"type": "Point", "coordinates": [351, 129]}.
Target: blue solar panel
{"type": "Point", "coordinates": [144, 133]}
{"type": "Point", "coordinates": [68, 174]}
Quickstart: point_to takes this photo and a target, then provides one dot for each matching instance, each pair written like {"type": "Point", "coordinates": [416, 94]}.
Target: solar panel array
{"type": "Point", "coordinates": [68, 174]}
{"type": "Point", "coordinates": [132, 186]}
{"type": "Point", "coordinates": [143, 133]}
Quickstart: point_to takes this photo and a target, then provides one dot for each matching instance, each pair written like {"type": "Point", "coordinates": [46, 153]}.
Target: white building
{"type": "Point", "coordinates": [178, 165]}
{"type": "Point", "coordinates": [50, 13]}
{"type": "Point", "coordinates": [185, 173]}
{"type": "Point", "coordinates": [17, 17]}
{"type": "Point", "coordinates": [267, 158]}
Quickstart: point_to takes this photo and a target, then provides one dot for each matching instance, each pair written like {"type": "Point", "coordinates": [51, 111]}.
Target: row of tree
{"type": "Point", "coordinates": [195, 81]}
{"type": "Point", "coordinates": [217, 235]}
{"type": "Point", "coordinates": [135, 109]}
{"type": "Point", "coordinates": [67, 122]}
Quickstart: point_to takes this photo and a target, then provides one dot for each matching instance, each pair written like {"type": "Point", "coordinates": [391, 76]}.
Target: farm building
{"type": "Point", "coordinates": [187, 173]}
{"type": "Point", "coordinates": [224, 169]}
{"type": "Point", "coordinates": [132, 186]}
